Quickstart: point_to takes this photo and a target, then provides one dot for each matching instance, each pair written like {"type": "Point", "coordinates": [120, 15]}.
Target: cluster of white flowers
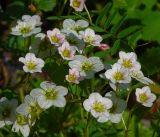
{"type": "Point", "coordinates": [74, 36]}
{"type": "Point", "coordinates": [24, 116]}
{"type": "Point", "coordinates": [105, 108]}
{"type": "Point", "coordinates": [127, 67]}
{"type": "Point", "coordinates": [71, 42]}
{"type": "Point", "coordinates": [40, 99]}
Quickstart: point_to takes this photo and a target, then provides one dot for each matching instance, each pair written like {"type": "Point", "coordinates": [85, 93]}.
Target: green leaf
{"type": "Point", "coordinates": [62, 17]}
{"type": "Point", "coordinates": [103, 12]}
{"type": "Point", "coordinates": [45, 5]}
{"type": "Point", "coordinates": [110, 51]}
{"type": "Point", "coordinates": [52, 68]}
{"type": "Point", "coordinates": [102, 54]}
{"type": "Point", "coordinates": [133, 39]}
{"type": "Point", "coordinates": [106, 36]}
{"type": "Point", "coordinates": [150, 19]}
{"type": "Point", "coordinates": [115, 47]}
{"type": "Point", "coordinates": [97, 28]}
{"type": "Point", "coordinates": [128, 31]}
{"type": "Point", "coordinates": [110, 18]}
{"type": "Point", "coordinates": [115, 28]}
{"type": "Point", "coordinates": [16, 9]}
{"type": "Point", "coordinates": [150, 60]}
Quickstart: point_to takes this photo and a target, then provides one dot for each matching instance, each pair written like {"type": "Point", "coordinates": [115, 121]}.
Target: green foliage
{"type": "Point", "coordinates": [150, 61]}
{"type": "Point", "coordinates": [45, 5]}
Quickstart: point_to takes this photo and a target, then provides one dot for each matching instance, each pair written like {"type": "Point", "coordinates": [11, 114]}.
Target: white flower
{"type": "Point", "coordinates": [87, 66]}
{"type": "Point", "coordinates": [31, 63]}
{"type": "Point", "coordinates": [50, 95]}
{"type": "Point", "coordinates": [138, 75]}
{"type": "Point", "coordinates": [75, 25]}
{"type": "Point", "coordinates": [73, 76]}
{"type": "Point", "coordinates": [30, 108]}
{"type": "Point", "coordinates": [98, 106]}
{"type": "Point", "coordinates": [67, 52]}
{"type": "Point", "coordinates": [118, 74]}
{"type": "Point", "coordinates": [129, 61]}
{"type": "Point", "coordinates": [40, 35]}
{"type": "Point", "coordinates": [21, 124]}
{"type": "Point", "coordinates": [90, 37]}
{"type": "Point", "coordinates": [118, 107]}
{"type": "Point", "coordinates": [55, 36]}
{"type": "Point", "coordinates": [7, 111]}
{"type": "Point", "coordinates": [145, 97]}
{"type": "Point", "coordinates": [77, 4]}
{"type": "Point", "coordinates": [27, 26]}
{"type": "Point", "coordinates": [35, 18]}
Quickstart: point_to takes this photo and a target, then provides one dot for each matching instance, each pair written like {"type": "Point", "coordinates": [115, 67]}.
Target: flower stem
{"type": "Point", "coordinates": [21, 94]}
{"type": "Point", "coordinates": [124, 123]}
{"type": "Point", "coordinates": [89, 16]}
{"type": "Point", "coordinates": [87, 126]}
{"type": "Point", "coordinates": [62, 8]}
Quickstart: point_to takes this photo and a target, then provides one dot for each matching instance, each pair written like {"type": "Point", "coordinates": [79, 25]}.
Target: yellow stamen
{"type": "Point", "coordinates": [51, 94]}
{"type": "Point", "coordinates": [87, 66]}
{"type": "Point", "coordinates": [25, 29]}
{"type": "Point", "coordinates": [143, 97]}
{"type": "Point", "coordinates": [118, 76]}
{"type": "Point", "coordinates": [98, 106]}
{"type": "Point", "coordinates": [76, 3]}
{"type": "Point", "coordinates": [127, 63]}
{"type": "Point", "coordinates": [66, 53]}
{"type": "Point", "coordinates": [31, 65]}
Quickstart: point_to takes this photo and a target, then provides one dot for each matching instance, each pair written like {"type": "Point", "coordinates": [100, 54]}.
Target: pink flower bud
{"type": "Point", "coordinates": [103, 46]}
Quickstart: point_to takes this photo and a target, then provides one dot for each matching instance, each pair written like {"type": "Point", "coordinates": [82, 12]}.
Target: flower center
{"type": "Point", "coordinates": [31, 65]}
{"type": "Point", "coordinates": [118, 76]}
{"type": "Point", "coordinates": [25, 29]}
{"type": "Point", "coordinates": [72, 77]}
{"type": "Point", "coordinates": [143, 97]}
{"type": "Point", "coordinates": [89, 39]}
{"type": "Point", "coordinates": [66, 53]}
{"type": "Point", "coordinates": [55, 39]}
{"type": "Point", "coordinates": [21, 120]}
{"type": "Point", "coordinates": [34, 109]}
{"type": "Point", "coordinates": [87, 66]}
{"type": "Point", "coordinates": [76, 3]}
{"type": "Point", "coordinates": [51, 94]}
{"type": "Point", "coordinates": [127, 63]}
{"type": "Point", "coordinates": [6, 112]}
{"type": "Point", "coordinates": [98, 106]}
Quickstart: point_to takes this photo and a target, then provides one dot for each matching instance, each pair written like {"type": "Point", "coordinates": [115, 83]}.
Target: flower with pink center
{"type": "Point", "coordinates": [77, 4]}
{"type": "Point", "coordinates": [73, 76]}
{"type": "Point", "coordinates": [66, 51]}
{"type": "Point", "coordinates": [55, 36]}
